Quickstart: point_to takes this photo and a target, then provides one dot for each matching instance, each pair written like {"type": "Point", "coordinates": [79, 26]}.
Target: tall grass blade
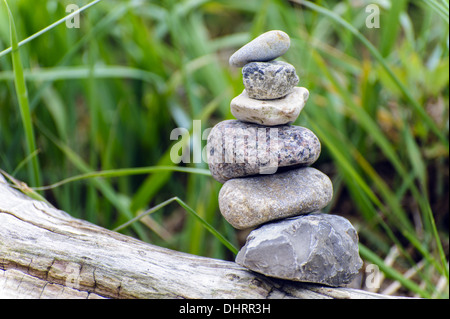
{"type": "Point", "coordinates": [48, 28]}
{"type": "Point", "coordinates": [22, 98]}
{"type": "Point", "coordinates": [437, 239]}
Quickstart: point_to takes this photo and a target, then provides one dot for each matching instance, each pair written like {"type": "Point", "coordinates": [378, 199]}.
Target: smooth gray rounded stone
{"type": "Point", "coordinates": [237, 149]}
{"type": "Point", "coordinates": [317, 248]}
{"type": "Point", "coordinates": [269, 80]}
{"type": "Point", "coordinates": [252, 201]}
{"type": "Point", "coordinates": [270, 112]}
{"type": "Point", "coordinates": [266, 47]}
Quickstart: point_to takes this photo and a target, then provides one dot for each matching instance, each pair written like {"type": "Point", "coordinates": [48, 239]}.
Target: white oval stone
{"type": "Point", "coordinates": [269, 112]}
{"type": "Point", "coordinates": [266, 47]}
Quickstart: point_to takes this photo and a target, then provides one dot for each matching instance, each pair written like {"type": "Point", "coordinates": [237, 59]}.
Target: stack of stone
{"type": "Point", "coordinates": [263, 162]}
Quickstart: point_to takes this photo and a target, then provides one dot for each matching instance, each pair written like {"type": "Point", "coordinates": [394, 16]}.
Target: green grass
{"type": "Point", "coordinates": [22, 98]}
{"type": "Point", "coordinates": [86, 116]}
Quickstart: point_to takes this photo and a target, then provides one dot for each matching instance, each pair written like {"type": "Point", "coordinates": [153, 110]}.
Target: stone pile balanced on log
{"type": "Point", "coordinates": [264, 163]}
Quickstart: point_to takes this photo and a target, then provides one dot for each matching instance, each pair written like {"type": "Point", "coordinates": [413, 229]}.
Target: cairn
{"type": "Point", "coordinates": [264, 164]}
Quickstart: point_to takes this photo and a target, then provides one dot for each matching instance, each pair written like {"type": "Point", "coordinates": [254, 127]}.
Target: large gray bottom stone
{"type": "Point", "coordinates": [237, 149]}
{"type": "Point", "coordinates": [316, 248]}
{"type": "Point", "coordinates": [252, 201]}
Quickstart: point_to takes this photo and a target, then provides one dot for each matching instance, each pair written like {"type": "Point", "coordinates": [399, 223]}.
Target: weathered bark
{"type": "Point", "coordinates": [46, 253]}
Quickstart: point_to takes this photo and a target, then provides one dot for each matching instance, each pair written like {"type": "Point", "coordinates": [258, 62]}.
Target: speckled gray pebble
{"type": "Point", "coordinates": [252, 201]}
{"type": "Point", "coordinates": [269, 80]}
{"type": "Point", "coordinates": [269, 112]}
{"type": "Point", "coordinates": [316, 248]}
{"type": "Point", "coordinates": [266, 47]}
{"type": "Point", "coordinates": [237, 149]}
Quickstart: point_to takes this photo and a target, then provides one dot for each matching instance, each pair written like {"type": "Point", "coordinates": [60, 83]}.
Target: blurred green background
{"type": "Point", "coordinates": [106, 96]}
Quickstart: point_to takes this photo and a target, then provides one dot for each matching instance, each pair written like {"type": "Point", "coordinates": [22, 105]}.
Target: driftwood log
{"type": "Point", "coordinates": [46, 253]}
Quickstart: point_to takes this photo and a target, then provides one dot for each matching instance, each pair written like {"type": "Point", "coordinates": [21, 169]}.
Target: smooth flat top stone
{"type": "Point", "coordinates": [269, 80]}
{"type": "Point", "coordinates": [252, 201]}
{"type": "Point", "coordinates": [270, 112]}
{"type": "Point", "coordinates": [318, 248]}
{"type": "Point", "coordinates": [237, 149]}
{"type": "Point", "coordinates": [266, 47]}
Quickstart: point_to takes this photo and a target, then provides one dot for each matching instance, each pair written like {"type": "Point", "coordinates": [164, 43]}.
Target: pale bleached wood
{"type": "Point", "coordinates": [46, 253]}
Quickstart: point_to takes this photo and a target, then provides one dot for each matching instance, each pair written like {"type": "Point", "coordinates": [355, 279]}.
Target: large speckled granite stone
{"type": "Point", "coordinates": [269, 80]}
{"type": "Point", "coordinates": [237, 149]}
{"type": "Point", "coordinates": [316, 248]}
{"type": "Point", "coordinates": [269, 112]}
{"type": "Point", "coordinates": [252, 201]}
{"type": "Point", "coordinates": [266, 47]}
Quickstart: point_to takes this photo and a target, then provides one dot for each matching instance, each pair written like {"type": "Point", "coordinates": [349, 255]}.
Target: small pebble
{"type": "Point", "coordinates": [266, 47]}
{"type": "Point", "coordinates": [269, 112]}
{"type": "Point", "coordinates": [317, 248]}
{"type": "Point", "coordinates": [252, 201]}
{"type": "Point", "coordinates": [269, 80]}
